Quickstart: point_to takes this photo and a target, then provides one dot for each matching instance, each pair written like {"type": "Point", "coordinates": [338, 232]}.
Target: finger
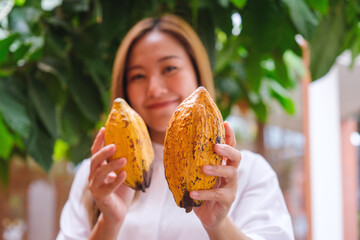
{"type": "Point", "coordinates": [221, 195]}
{"type": "Point", "coordinates": [229, 135]}
{"type": "Point", "coordinates": [99, 157]}
{"type": "Point", "coordinates": [120, 179]}
{"type": "Point", "coordinates": [233, 155]}
{"type": "Point", "coordinates": [98, 142]}
{"type": "Point", "coordinates": [102, 172]}
{"type": "Point", "coordinates": [229, 173]}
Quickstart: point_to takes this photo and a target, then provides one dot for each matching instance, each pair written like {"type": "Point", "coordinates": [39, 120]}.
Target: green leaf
{"type": "Point", "coordinates": [116, 11]}
{"type": "Point", "coordinates": [77, 5]}
{"type": "Point", "coordinates": [295, 66]}
{"type": "Point", "coordinates": [20, 52]}
{"type": "Point", "coordinates": [5, 45]}
{"type": "Point", "coordinates": [282, 75]}
{"type": "Point", "coordinates": [327, 43]}
{"type": "Point", "coordinates": [222, 20]}
{"type": "Point", "coordinates": [6, 141]}
{"type": "Point", "coordinates": [253, 72]}
{"type": "Point", "coordinates": [60, 150]}
{"type": "Point", "coordinates": [320, 5]}
{"type": "Point", "coordinates": [18, 142]}
{"type": "Point", "coordinates": [239, 3]}
{"type": "Point", "coordinates": [283, 96]}
{"type": "Point", "coordinates": [40, 145]}
{"type": "Point", "coordinates": [96, 70]}
{"type": "Point", "coordinates": [55, 67]}
{"type": "Point", "coordinates": [6, 72]}
{"type": "Point", "coordinates": [207, 36]}
{"type": "Point", "coordinates": [224, 3]}
{"type": "Point", "coordinates": [20, 3]}
{"type": "Point", "coordinates": [4, 173]}
{"type": "Point", "coordinates": [22, 19]}
{"type": "Point", "coordinates": [44, 106]}
{"type": "Point", "coordinates": [260, 111]}
{"type": "Point", "coordinates": [86, 96]}
{"type": "Point", "coordinates": [12, 107]}
{"type": "Point", "coordinates": [73, 123]}
{"type": "Point", "coordinates": [81, 150]}
{"type": "Point", "coordinates": [302, 17]}
{"type": "Point", "coordinates": [35, 51]}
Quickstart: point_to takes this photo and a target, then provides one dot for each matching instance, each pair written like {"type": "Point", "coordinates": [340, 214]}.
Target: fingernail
{"type": "Point", "coordinates": [220, 147]}
{"type": "Point", "coordinates": [194, 193]}
{"type": "Point", "coordinates": [122, 160]}
{"type": "Point", "coordinates": [208, 168]}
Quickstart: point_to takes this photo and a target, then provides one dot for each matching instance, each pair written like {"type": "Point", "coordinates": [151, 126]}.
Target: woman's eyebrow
{"type": "Point", "coordinates": [167, 57]}
{"type": "Point", "coordinates": [133, 67]}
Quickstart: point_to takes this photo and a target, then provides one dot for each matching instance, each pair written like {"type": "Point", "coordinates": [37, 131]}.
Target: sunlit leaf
{"type": "Point", "coordinates": [20, 3]}
{"type": "Point", "coordinates": [5, 8]}
{"type": "Point", "coordinates": [22, 19]}
{"type": "Point", "coordinates": [283, 97]}
{"type": "Point", "coordinates": [282, 71]}
{"type": "Point", "coordinates": [239, 3]}
{"type": "Point", "coordinates": [320, 5]}
{"type": "Point", "coordinates": [49, 5]}
{"type": "Point", "coordinates": [60, 150]}
{"type": "Point", "coordinates": [6, 141]}
{"type": "Point", "coordinates": [295, 66]}
{"type": "Point", "coordinates": [35, 51]}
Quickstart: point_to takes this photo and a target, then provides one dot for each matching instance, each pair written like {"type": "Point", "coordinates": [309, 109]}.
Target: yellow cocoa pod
{"type": "Point", "coordinates": [126, 129]}
{"type": "Point", "coordinates": [194, 129]}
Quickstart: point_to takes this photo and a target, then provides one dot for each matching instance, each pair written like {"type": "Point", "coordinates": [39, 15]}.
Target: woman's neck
{"type": "Point", "coordinates": [157, 137]}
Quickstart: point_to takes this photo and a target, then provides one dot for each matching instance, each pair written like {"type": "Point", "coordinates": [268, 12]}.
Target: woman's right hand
{"type": "Point", "coordinates": [110, 194]}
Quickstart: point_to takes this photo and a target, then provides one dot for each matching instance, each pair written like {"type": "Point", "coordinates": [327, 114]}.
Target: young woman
{"type": "Point", "coordinates": [159, 63]}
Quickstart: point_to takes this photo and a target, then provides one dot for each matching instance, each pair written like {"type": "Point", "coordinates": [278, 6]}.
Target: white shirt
{"type": "Point", "coordinates": [259, 209]}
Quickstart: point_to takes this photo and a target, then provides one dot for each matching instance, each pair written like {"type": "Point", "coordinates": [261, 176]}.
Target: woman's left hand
{"type": "Point", "coordinates": [217, 201]}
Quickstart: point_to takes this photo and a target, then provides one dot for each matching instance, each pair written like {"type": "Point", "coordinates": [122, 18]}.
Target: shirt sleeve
{"type": "Point", "coordinates": [259, 209]}
{"type": "Point", "coordinates": [74, 220]}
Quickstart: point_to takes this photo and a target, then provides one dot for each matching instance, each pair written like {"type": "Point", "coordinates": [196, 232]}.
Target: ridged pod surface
{"type": "Point", "coordinates": [126, 129]}
{"type": "Point", "coordinates": [194, 129]}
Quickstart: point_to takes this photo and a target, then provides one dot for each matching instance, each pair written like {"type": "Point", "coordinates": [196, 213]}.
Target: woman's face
{"type": "Point", "coordinates": [159, 77]}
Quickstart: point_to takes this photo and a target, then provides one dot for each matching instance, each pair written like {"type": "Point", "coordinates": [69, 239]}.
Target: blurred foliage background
{"type": "Point", "coordinates": [56, 60]}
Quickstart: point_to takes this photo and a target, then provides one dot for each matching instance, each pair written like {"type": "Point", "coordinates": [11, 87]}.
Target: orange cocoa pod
{"type": "Point", "coordinates": [127, 130]}
{"type": "Point", "coordinates": [194, 129]}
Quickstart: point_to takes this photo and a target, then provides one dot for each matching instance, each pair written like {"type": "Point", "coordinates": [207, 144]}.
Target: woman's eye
{"type": "Point", "coordinates": [169, 69]}
{"type": "Point", "coordinates": [136, 77]}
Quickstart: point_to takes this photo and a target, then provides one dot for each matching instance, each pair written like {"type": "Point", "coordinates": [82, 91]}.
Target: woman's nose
{"type": "Point", "coordinates": [156, 87]}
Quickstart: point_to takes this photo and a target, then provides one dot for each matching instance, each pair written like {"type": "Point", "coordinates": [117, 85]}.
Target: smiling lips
{"type": "Point", "coordinates": [158, 105]}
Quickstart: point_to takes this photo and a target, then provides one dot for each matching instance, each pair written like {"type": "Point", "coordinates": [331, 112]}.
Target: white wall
{"type": "Point", "coordinates": [325, 158]}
